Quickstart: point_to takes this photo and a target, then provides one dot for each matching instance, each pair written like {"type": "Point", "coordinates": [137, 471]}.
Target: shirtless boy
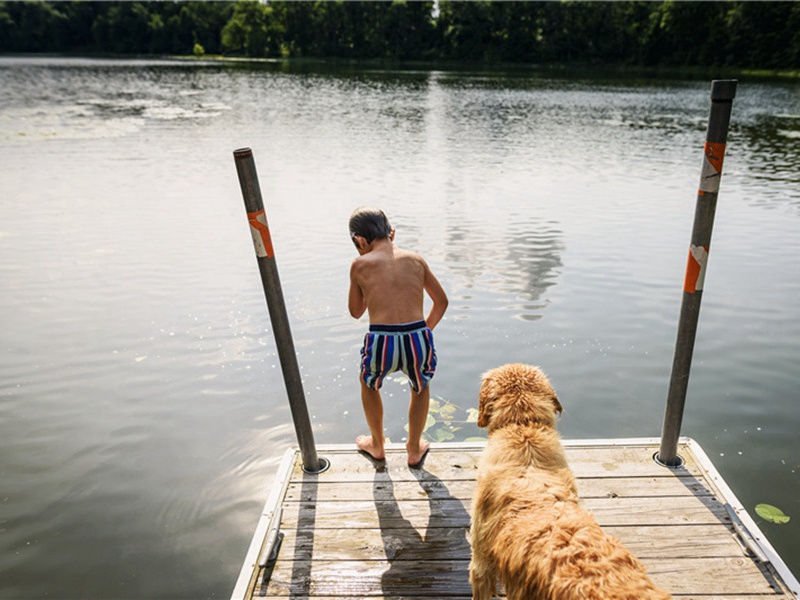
{"type": "Point", "coordinates": [389, 283]}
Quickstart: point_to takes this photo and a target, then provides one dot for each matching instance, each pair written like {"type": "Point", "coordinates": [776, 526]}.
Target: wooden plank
{"type": "Point", "coordinates": [377, 544]}
{"type": "Point", "coordinates": [633, 487]}
{"type": "Point", "coordinates": [708, 576]}
{"type": "Point", "coordinates": [443, 465]}
{"type": "Point", "coordinates": [383, 487]}
{"type": "Point", "coordinates": [611, 461]}
{"type": "Point", "coordinates": [447, 578]}
{"type": "Point", "coordinates": [682, 596]}
{"type": "Point", "coordinates": [683, 541]}
{"type": "Point", "coordinates": [451, 544]}
{"type": "Point", "coordinates": [617, 461]}
{"type": "Point", "coordinates": [432, 578]}
{"type": "Point", "coordinates": [683, 510]}
{"type": "Point", "coordinates": [371, 515]}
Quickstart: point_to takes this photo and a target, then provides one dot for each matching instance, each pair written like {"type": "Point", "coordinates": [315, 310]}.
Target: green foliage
{"type": "Point", "coordinates": [254, 29]}
{"type": "Point", "coordinates": [772, 514]}
{"type": "Point", "coordinates": [198, 50]}
{"type": "Point", "coordinates": [446, 420]}
{"type": "Point", "coordinates": [756, 35]}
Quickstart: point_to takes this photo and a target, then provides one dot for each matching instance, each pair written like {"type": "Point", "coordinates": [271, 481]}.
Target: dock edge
{"type": "Point", "coordinates": [247, 576]}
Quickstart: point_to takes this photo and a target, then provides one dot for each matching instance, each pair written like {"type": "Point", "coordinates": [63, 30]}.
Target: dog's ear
{"type": "Point", "coordinates": [484, 412]}
{"type": "Point", "coordinates": [486, 400]}
{"type": "Point", "coordinates": [557, 404]}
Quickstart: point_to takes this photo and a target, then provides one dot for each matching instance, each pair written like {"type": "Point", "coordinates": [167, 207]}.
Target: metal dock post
{"type": "Point", "coordinates": [722, 95]}
{"type": "Point", "coordinates": [254, 205]}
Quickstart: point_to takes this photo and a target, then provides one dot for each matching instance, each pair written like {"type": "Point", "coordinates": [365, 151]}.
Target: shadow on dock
{"type": "Point", "coordinates": [444, 539]}
{"type": "Point", "coordinates": [306, 522]}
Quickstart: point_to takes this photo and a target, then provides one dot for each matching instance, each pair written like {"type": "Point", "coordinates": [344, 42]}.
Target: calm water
{"type": "Point", "coordinates": [142, 411]}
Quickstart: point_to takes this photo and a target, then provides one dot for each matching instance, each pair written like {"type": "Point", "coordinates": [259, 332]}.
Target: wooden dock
{"type": "Point", "coordinates": [366, 530]}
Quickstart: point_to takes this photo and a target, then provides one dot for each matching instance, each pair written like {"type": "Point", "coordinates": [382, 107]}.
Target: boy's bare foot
{"type": "Point", "coordinates": [416, 456]}
{"type": "Point", "coordinates": [365, 444]}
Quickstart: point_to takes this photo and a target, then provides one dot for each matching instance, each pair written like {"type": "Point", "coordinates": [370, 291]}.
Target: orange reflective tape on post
{"type": "Point", "coordinates": [695, 269]}
{"type": "Point", "coordinates": [268, 269]}
{"type": "Point", "coordinates": [722, 95]}
{"type": "Point", "coordinates": [711, 172]}
{"type": "Point", "coordinates": [259, 229]}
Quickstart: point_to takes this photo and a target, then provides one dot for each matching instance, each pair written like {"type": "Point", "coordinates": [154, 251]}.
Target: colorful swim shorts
{"type": "Point", "coordinates": [389, 348]}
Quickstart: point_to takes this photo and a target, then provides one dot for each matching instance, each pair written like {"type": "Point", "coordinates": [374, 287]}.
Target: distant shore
{"type": "Point", "coordinates": [687, 72]}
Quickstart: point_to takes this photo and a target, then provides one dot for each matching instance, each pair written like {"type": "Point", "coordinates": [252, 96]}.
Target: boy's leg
{"type": "Point", "coordinates": [417, 416]}
{"type": "Point", "coordinates": [373, 410]}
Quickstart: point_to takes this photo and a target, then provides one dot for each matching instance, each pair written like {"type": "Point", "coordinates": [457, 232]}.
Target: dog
{"type": "Point", "coordinates": [528, 530]}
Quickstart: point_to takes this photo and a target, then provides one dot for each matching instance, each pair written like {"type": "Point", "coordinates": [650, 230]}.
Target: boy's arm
{"type": "Point", "coordinates": [437, 294]}
{"type": "Point", "coordinates": [356, 301]}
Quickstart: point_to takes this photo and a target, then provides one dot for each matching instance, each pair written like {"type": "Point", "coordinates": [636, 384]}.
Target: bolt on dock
{"type": "Point", "coordinates": [363, 529]}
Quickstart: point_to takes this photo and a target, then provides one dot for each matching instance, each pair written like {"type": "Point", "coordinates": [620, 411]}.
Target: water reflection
{"type": "Point", "coordinates": [534, 249]}
{"type": "Point", "coordinates": [519, 262]}
{"type": "Point", "coordinates": [770, 155]}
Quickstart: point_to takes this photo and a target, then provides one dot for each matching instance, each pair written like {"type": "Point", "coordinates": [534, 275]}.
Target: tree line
{"type": "Point", "coordinates": [764, 35]}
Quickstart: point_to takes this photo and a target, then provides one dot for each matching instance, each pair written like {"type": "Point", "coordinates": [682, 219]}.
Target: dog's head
{"type": "Point", "coordinates": [516, 394]}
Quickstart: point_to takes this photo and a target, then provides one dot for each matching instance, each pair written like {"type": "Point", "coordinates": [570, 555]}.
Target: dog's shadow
{"type": "Point", "coordinates": [444, 541]}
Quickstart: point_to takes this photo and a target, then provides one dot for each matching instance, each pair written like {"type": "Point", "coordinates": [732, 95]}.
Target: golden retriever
{"type": "Point", "coordinates": [528, 530]}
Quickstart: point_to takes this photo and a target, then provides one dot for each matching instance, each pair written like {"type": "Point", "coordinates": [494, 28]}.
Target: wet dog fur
{"type": "Point", "coordinates": [528, 530]}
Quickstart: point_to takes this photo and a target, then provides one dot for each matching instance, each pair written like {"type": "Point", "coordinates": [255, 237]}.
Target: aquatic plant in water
{"type": "Point", "coordinates": [446, 420]}
{"type": "Point", "coordinates": [773, 514]}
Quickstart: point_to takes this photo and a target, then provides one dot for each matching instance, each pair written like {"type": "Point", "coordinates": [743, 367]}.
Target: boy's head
{"type": "Point", "coordinates": [370, 223]}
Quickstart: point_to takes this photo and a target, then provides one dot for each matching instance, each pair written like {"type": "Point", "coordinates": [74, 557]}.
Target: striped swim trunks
{"type": "Point", "coordinates": [389, 348]}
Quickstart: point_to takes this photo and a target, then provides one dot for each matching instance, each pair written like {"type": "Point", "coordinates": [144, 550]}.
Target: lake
{"type": "Point", "coordinates": [142, 408]}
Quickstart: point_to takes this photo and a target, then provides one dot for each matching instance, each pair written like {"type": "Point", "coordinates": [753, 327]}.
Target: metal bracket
{"type": "Point", "coordinates": [749, 543]}
{"type": "Point", "coordinates": [269, 554]}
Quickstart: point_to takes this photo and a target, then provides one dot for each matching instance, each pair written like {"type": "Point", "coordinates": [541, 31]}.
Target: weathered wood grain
{"type": "Point", "coordinates": [776, 596]}
{"type": "Point", "coordinates": [432, 578]}
{"type": "Point", "coordinates": [384, 487]}
{"type": "Point", "coordinates": [683, 510]}
{"type": "Point", "coordinates": [445, 578]}
{"type": "Point", "coordinates": [450, 465]}
{"type": "Point", "coordinates": [708, 576]}
{"type": "Point", "coordinates": [452, 543]}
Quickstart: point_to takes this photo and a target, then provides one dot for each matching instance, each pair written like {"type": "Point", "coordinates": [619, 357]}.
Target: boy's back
{"type": "Point", "coordinates": [392, 281]}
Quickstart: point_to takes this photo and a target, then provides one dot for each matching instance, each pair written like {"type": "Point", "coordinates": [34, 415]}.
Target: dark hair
{"type": "Point", "coordinates": [370, 223]}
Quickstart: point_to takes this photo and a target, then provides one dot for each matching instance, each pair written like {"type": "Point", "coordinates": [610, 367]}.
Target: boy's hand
{"type": "Point", "coordinates": [356, 301]}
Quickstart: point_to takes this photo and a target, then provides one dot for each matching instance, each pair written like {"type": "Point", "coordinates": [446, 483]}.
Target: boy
{"type": "Point", "coordinates": [390, 283]}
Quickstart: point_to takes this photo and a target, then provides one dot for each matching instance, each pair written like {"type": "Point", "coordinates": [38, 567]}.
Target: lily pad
{"type": "Point", "coordinates": [442, 435]}
{"type": "Point", "coordinates": [773, 514]}
{"type": "Point", "coordinates": [448, 411]}
{"type": "Point", "coordinates": [476, 439]}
